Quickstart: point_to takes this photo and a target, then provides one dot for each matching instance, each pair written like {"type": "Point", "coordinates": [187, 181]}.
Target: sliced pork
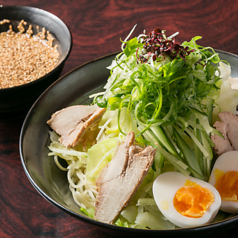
{"type": "Point", "coordinates": [231, 120]}
{"type": "Point", "coordinates": [71, 123]}
{"type": "Point", "coordinates": [120, 178]}
{"type": "Point", "coordinates": [228, 126]}
{"type": "Point", "coordinates": [222, 144]}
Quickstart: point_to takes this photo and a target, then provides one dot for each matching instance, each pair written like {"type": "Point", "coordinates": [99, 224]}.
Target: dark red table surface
{"type": "Point", "coordinates": [97, 27]}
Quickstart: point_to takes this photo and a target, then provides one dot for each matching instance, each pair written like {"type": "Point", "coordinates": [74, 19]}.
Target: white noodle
{"type": "Point", "coordinates": [58, 164]}
{"type": "Point", "coordinates": [84, 193]}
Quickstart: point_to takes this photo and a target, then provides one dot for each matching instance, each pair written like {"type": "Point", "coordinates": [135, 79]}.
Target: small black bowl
{"type": "Point", "coordinates": [16, 101]}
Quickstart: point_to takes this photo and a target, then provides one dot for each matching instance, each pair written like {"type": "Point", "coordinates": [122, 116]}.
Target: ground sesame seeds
{"type": "Point", "coordinates": [24, 57]}
{"type": "Point", "coordinates": [4, 21]}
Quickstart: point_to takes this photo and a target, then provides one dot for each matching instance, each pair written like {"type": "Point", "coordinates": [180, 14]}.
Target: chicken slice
{"type": "Point", "coordinates": [222, 144]}
{"type": "Point", "coordinates": [228, 126]}
{"type": "Point", "coordinates": [231, 120]}
{"type": "Point", "coordinates": [72, 122]}
{"type": "Point", "coordinates": [121, 177]}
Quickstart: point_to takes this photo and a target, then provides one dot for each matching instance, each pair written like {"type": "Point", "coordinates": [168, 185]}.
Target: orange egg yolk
{"type": "Point", "coordinates": [192, 200]}
{"type": "Point", "coordinates": [227, 185]}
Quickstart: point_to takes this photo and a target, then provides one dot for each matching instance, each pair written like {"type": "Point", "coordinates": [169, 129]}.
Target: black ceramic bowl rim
{"type": "Point", "coordinates": [204, 230]}
{"type": "Point", "coordinates": [61, 60]}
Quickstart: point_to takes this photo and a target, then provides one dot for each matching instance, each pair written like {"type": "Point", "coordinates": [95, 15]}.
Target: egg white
{"type": "Point", "coordinates": [164, 189]}
{"type": "Point", "coordinates": [226, 162]}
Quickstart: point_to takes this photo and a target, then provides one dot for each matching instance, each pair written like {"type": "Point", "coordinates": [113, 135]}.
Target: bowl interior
{"type": "Point", "coordinates": [41, 170]}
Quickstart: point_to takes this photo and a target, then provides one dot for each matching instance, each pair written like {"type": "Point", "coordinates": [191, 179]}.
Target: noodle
{"type": "Point", "coordinates": [83, 192]}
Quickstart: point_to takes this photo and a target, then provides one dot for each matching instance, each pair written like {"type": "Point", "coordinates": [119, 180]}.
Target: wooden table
{"type": "Point", "coordinates": [97, 27]}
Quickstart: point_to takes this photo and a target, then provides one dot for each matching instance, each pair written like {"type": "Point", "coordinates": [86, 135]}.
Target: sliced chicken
{"type": "Point", "coordinates": [228, 126]}
{"type": "Point", "coordinates": [222, 144]}
{"type": "Point", "coordinates": [71, 123]}
{"type": "Point", "coordinates": [231, 120]}
{"type": "Point", "coordinates": [120, 178]}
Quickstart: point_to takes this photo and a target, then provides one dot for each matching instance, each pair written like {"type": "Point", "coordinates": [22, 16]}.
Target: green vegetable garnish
{"type": "Point", "coordinates": [169, 90]}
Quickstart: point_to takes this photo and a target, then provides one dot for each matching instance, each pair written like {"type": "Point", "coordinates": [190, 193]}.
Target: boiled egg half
{"type": "Point", "coordinates": [184, 200]}
{"type": "Point", "coordinates": [224, 177]}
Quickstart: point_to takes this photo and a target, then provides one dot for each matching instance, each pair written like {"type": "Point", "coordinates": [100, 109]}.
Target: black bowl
{"type": "Point", "coordinates": [17, 100]}
{"type": "Point", "coordinates": [51, 182]}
